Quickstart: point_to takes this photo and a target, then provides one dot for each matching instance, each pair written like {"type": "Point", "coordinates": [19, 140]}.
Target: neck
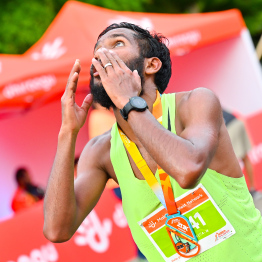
{"type": "Point", "coordinates": [149, 95]}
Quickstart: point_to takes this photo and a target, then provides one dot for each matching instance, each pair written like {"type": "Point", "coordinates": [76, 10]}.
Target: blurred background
{"type": "Point", "coordinates": [216, 44]}
{"type": "Point", "coordinates": [24, 22]}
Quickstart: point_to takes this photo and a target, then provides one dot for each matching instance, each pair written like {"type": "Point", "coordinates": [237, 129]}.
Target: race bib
{"type": "Point", "coordinates": [210, 225]}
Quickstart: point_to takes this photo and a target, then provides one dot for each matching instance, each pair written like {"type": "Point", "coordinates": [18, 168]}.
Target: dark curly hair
{"type": "Point", "coordinates": [150, 45]}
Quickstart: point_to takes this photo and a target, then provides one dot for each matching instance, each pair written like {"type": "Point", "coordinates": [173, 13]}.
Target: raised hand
{"type": "Point", "coordinates": [73, 116]}
{"type": "Point", "coordinates": [118, 80]}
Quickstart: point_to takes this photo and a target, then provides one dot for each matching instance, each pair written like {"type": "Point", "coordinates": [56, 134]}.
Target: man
{"type": "Point", "coordinates": [26, 194]}
{"type": "Point", "coordinates": [129, 63]}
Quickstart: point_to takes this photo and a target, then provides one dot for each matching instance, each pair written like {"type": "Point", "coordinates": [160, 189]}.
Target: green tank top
{"type": "Point", "coordinates": [230, 194]}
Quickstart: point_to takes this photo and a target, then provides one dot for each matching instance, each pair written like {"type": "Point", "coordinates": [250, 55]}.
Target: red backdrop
{"type": "Point", "coordinates": [103, 236]}
{"type": "Point", "coordinates": [254, 126]}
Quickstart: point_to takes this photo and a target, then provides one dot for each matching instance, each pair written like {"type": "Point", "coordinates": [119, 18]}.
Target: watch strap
{"type": "Point", "coordinates": [129, 107]}
{"type": "Point", "coordinates": [126, 109]}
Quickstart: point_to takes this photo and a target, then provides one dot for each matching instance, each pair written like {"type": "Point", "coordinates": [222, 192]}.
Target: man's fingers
{"type": "Point", "coordinates": [105, 60]}
{"type": "Point", "coordinates": [106, 57]}
{"type": "Point", "coordinates": [137, 77]}
{"type": "Point", "coordinates": [118, 60]}
{"type": "Point", "coordinates": [72, 85]}
{"type": "Point", "coordinates": [101, 71]}
{"type": "Point", "coordinates": [73, 79]}
{"type": "Point", "coordinates": [87, 102]}
{"type": "Point", "coordinates": [76, 68]}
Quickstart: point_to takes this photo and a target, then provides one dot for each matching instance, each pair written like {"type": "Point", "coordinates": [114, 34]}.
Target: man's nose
{"type": "Point", "coordinates": [97, 54]}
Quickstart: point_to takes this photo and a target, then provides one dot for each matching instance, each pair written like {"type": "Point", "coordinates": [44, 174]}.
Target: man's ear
{"type": "Point", "coordinates": [152, 65]}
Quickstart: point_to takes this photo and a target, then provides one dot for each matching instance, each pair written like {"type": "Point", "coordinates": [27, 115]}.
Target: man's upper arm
{"type": "Point", "coordinates": [91, 179]}
{"type": "Point", "coordinates": [201, 116]}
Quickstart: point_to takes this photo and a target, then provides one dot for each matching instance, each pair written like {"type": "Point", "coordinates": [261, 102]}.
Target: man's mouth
{"type": "Point", "coordinates": [95, 73]}
{"type": "Point", "coordinates": [93, 70]}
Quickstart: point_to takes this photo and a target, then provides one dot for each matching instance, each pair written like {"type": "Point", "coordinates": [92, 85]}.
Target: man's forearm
{"type": "Point", "coordinates": [60, 202]}
{"type": "Point", "coordinates": [177, 156]}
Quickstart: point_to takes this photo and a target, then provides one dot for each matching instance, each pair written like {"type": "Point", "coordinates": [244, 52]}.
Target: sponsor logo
{"type": "Point", "coordinates": [194, 199]}
{"type": "Point", "coordinates": [50, 51]}
{"type": "Point", "coordinates": [188, 38]}
{"type": "Point", "coordinates": [161, 218]}
{"type": "Point", "coordinates": [179, 225]}
{"type": "Point", "coordinates": [222, 234]}
{"type": "Point", "coordinates": [152, 224]}
{"type": "Point", "coordinates": [94, 233]}
{"type": "Point", "coordinates": [45, 83]}
{"type": "Point", "coordinates": [46, 253]}
{"type": "Point", "coordinates": [155, 222]}
{"type": "Point", "coordinates": [182, 41]}
{"type": "Point", "coordinates": [143, 22]}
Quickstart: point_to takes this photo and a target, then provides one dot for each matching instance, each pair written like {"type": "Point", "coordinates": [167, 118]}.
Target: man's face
{"type": "Point", "coordinates": [123, 43]}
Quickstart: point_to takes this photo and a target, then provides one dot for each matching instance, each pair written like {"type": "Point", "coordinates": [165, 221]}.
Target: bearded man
{"type": "Point", "coordinates": [179, 139]}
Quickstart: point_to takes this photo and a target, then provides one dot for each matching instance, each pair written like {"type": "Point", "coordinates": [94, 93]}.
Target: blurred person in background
{"type": "Point", "coordinates": [241, 145]}
{"type": "Point", "coordinates": [27, 193]}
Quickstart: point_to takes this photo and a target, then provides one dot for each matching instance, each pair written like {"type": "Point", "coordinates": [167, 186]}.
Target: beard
{"type": "Point", "coordinates": [98, 91]}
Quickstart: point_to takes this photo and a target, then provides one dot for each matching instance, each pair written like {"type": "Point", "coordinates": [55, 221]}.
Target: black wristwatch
{"type": "Point", "coordinates": [135, 103]}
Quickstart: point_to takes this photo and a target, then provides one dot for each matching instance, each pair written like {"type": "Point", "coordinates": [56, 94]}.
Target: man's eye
{"type": "Point", "coordinates": [119, 43]}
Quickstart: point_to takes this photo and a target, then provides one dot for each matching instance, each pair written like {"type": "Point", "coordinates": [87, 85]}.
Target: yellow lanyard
{"type": "Point", "coordinates": [164, 194]}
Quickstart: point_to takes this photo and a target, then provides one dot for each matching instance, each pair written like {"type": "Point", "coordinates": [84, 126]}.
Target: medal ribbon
{"type": "Point", "coordinates": [164, 192]}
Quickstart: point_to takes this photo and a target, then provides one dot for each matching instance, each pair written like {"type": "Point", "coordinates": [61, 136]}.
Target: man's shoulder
{"type": "Point", "coordinates": [197, 93]}
{"type": "Point", "coordinates": [97, 151]}
{"type": "Point", "coordinates": [196, 97]}
{"type": "Point", "coordinates": [101, 142]}
{"type": "Point", "coordinates": [197, 103]}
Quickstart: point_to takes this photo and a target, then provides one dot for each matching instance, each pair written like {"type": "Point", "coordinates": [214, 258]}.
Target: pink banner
{"type": "Point", "coordinates": [103, 236]}
{"type": "Point", "coordinates": [254, 126]}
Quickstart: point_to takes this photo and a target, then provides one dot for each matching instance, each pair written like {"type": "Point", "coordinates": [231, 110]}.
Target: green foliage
{"type": "Point", "coordinates": [24, 22]}
{"type": "Point", "coordinates": [250, 9]}
{"type": "Point", "coordinates": [120, 5]}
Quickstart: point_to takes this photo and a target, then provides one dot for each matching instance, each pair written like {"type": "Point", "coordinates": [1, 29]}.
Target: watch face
{"type": "Point", "coordinates": [138, 102]}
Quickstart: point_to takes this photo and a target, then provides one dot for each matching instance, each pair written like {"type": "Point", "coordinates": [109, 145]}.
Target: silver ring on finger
{"type": "Point", "coordinates": [108, 64]}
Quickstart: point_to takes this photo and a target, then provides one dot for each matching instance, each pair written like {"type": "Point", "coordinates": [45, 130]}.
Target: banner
{"type": "Point", "coordinates": [98, 238]}
{"type": "Point", "coordinates": [254, 127]}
